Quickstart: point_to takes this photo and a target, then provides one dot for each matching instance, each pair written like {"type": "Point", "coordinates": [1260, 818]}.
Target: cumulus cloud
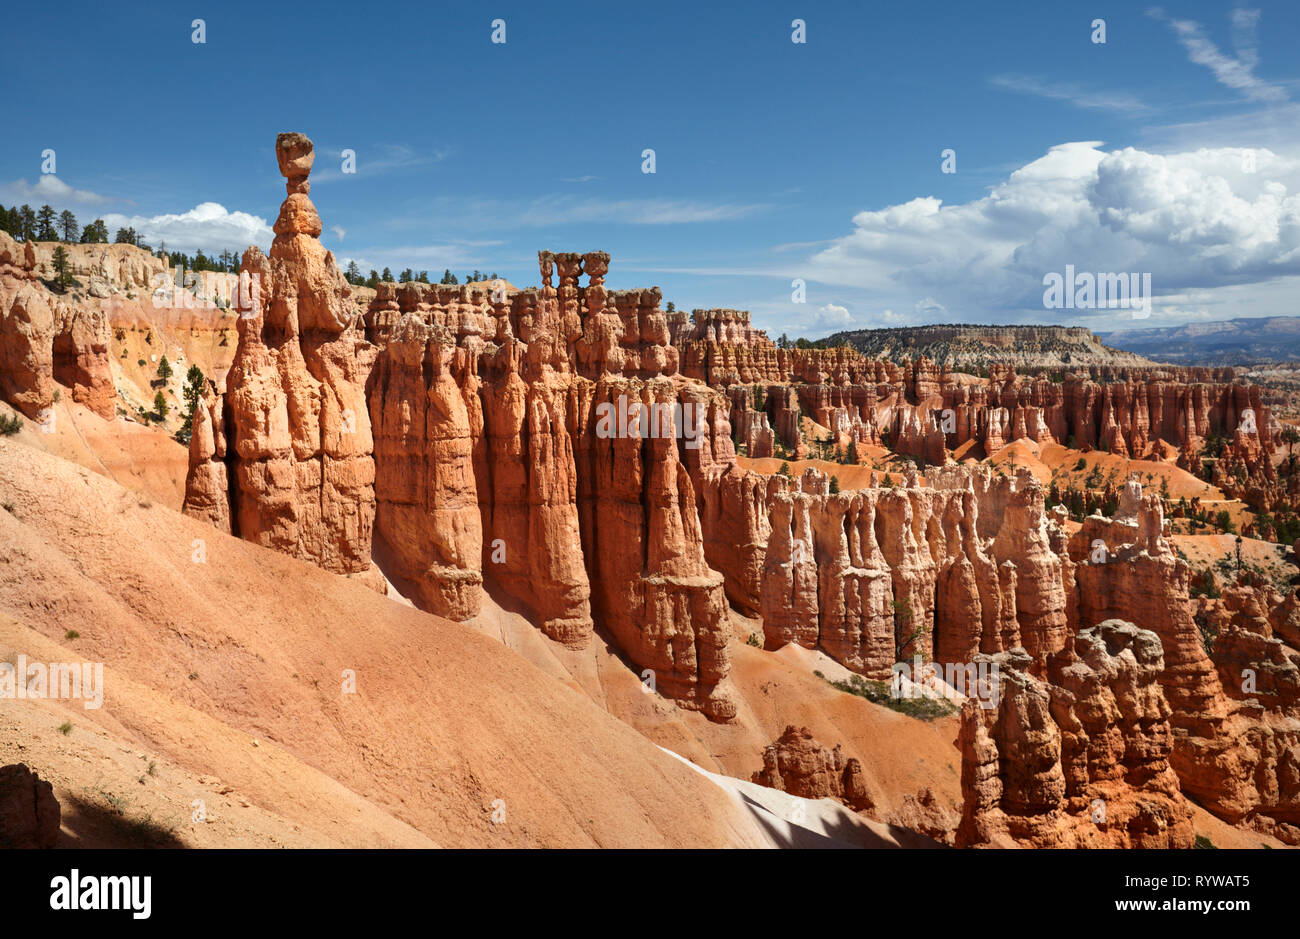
{"type": "Point", "coordinates": [209, 227]}
{"type": "Point", "coordinates": [831, 316]}
{"type": "Point", "coordinates": [51, 190]}
{"type": "Point", "coordinates": [1205, 218]}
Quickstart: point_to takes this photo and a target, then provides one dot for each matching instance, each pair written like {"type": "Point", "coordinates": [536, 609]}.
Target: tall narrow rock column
{"type": "Point", "coordinates": [297, 425]}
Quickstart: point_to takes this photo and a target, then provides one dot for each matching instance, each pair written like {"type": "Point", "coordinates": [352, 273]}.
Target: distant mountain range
{"type": "Point", "coordinates": [965, 346]}
{"type": "Point", "coordinates": [1244, 341]}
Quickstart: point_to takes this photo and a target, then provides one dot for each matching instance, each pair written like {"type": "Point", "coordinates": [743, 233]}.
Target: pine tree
{"type": "Point", "coordinates": [373, 279]}
{"type": "Point", "coordinates": [387, 276]}
{"type": "Point", "coordinates": [835, 484]}
{"type": "Point", "coordinates": [29, 223]}
{"type": "Point", "coordinates": [164, 369]}
{"type": "Point", "coordinates": [68, 224]}
{"type": "Point", "coordinates": [45, 224]}
{"type": "Point", "coordinates": [423, 278]}
{"type": "Point", "coordinates": [354, 273]}
{"type": "Point", "coordinates": [406, 277]}
{"type": "Point", "coordinates": [191, 393]}
{"type": "Point", "coordinates": [160, 406]}
{"type": "Point", "coordinates": [62, 276]}
{"type": "Point", "coordinates": [448, 277]}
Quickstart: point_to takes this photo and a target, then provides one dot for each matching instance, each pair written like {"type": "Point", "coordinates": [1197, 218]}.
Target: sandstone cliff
{"type": "Point", "coordinates": [47, 339]}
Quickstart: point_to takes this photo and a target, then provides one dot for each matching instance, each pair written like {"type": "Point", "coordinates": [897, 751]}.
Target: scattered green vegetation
{"type": "Point", "coordinates": [878, 692]}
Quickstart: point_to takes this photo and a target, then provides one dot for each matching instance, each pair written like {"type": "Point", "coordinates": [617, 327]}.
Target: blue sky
{"type": "Point", "coordinates": [1172, 149]}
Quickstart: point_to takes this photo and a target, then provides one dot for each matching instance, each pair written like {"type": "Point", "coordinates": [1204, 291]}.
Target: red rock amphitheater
{"type": "Point", "coordinates": [418, 487]}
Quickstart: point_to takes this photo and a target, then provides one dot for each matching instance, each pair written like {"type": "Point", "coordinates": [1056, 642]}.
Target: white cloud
{"type": "Point", "coordinates": [209, 227]}
{"type": "Point", "coordinates": [832, 316]}
{"type": "Point", "coordinates": [54, 191]}
{"type": "Point", "coordinates": [1237, 73]}
{"type": "Point", "coordinates": [930, 310]}
{"type": "Point", "coordinates": [1079, 97]}
{"type": "Point", "coordinates": [827, 319]}
{"type": "Point", "coordinates": [339, 231]}
{"type": "Point", "coordinates": [1197, 219]}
